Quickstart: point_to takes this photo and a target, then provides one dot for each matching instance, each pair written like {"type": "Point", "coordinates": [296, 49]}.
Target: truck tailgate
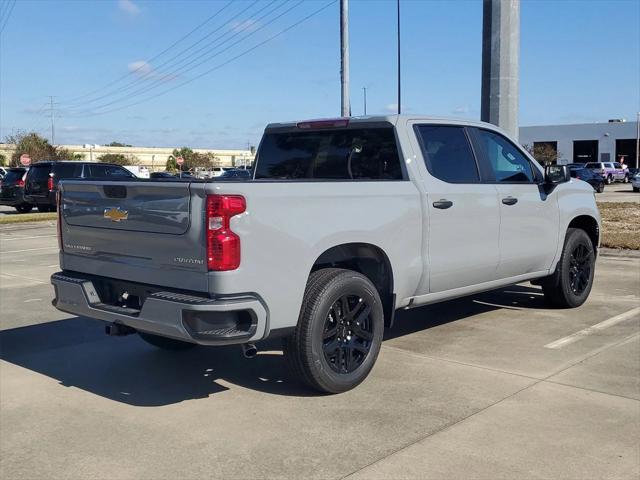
{"type": "Point", "coordinates": [141, 231]}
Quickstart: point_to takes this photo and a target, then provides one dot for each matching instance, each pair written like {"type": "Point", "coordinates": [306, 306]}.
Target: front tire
{"type": "Point", "coordinates": [165, 343]}
{"type": "Point", "coordinates": [339, 331]}
{"type": "Point", "coordinates": [26, 208]}
{"type": "Point", "coordinates": [571, 283]}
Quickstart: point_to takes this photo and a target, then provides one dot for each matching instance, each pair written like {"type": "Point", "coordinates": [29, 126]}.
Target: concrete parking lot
{"type": "Point", "coordinates": [491, 386]}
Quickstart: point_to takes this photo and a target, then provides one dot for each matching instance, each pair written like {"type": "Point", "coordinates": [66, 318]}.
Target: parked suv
{"type": "Point", "coordinates": [42, 180]}
{"type": "Point", "coordinates": [608, 171]}
{"type": "Point", "coordinates": [586, 175]}
{"type": "Point", "coordinates": [12, 190]}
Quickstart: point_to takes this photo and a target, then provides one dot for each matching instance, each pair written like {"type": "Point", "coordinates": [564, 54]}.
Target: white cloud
{"type": "Point", "coordinates": [141, 68]}
{"type": "Point", "coordinates": [128, 7]}
{"type": "Point", "coordinates": [246, 26]}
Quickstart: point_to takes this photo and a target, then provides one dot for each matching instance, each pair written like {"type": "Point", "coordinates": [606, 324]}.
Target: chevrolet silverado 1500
{"type": "Point", "coordinates": [342, 223]}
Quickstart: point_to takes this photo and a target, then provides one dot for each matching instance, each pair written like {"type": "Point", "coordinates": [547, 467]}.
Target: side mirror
{"type": "Point", "coordinates": [555, 174]}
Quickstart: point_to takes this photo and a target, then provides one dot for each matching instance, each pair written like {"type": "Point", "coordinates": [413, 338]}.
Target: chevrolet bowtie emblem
{"type": "Point", "coordinates": [115, 214]}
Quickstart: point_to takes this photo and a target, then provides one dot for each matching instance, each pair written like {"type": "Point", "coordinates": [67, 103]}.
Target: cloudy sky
{"type": "Point", "coordinates": [213, 73]}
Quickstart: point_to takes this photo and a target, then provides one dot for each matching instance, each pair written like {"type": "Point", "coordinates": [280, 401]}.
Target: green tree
{"type": "Point", "coordinates": [117, 144]}
{"type": "Point", "coordinates": [191, 159]}
{"type": "Point", "coordinates": [37, 147]}
{"type": "Point", "coordinates": [118, 159]}
{"type": "Point", "coordinates": [3, 160]}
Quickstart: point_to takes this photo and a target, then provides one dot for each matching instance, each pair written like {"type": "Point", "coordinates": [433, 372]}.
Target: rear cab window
{"type": "Point", "coordinates": [358, 153]}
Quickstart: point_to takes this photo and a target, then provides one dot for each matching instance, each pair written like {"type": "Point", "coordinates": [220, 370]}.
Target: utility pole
{"type": "Point", "coordinates": [638, 140]}
{"type": "Point", "coordinates": [345, 108]}
{"type": "Point", "coordinates": [364, 89]}
{"type": "Point", "coordinates": [52, 121]}
{"type": "Point", "coordinates": [399, 96]}
{"type": "Point", "coordinates": [500, 63]}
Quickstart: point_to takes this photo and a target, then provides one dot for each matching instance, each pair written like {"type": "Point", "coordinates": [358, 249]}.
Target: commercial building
{"type": "Point", "coordinates": [153, 158]}
{"type": "Point", "coordinates": [612, 141]}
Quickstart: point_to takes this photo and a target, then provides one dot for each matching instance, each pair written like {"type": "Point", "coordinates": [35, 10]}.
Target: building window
{"type": "Point", "coordinates": [545, 152]}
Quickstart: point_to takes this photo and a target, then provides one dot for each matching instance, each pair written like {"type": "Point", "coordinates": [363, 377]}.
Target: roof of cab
{"type": "Point", "coordinates": [393, 119]}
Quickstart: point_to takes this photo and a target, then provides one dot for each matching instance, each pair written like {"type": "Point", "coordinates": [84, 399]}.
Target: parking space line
{"type": "Point", "coordinates": [30, 250]}
{"type": "Point", "coordinates": [9, 238]}
{"type": "Point", "coordinates": [561, 342]}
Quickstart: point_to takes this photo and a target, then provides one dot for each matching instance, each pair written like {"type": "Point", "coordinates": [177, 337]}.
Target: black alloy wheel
{"type": "Point", "coordinates": [580, 268]}
{"type": "Point", "coordinates": [348, 333]}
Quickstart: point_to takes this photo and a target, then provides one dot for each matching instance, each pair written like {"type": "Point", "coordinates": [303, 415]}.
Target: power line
{"type": "Point", "coordinates": [156, 70]}
{"type": "Point", "coordinates": [156, 84]}
{"type": "Point", "coordinates": [217, 67]}
{"type": "Point", "coordinates": [158, 55]}
{"type": "Point", "coordinates": [8, 15]}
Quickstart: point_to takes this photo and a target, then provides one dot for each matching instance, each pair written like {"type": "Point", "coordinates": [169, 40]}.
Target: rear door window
{"type": "Point", "coordinates": [109, 171]}
{"type": "Point", "coordinates": [448, 154]}
{"type": "Point", "coordinates": [13, 176]}
{"type": "Point", "coordinates": [350, 154]}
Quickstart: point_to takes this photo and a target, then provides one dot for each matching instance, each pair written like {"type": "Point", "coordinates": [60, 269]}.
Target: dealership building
{"type": "Point", "coordinates": [612, 141]}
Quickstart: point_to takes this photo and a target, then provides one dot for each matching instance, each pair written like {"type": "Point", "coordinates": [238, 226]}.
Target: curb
{"type": "Point", "coordinates": [618, 252]}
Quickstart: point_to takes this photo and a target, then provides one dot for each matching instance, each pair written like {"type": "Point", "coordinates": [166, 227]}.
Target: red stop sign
{"type": "Point", "coordinates": [25, 160]}
{"type": "Point", "coordinates": [179, 160]}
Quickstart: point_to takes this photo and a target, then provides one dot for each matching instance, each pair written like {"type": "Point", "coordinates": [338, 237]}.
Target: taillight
{"type": "Point", "coordinates": [50, 184]}
{"type": "Point", "coordinates": [20, 183]}
{"type": "Point", "coordinates": [58, 204]}
{"type": "Point", "coordinates": [223, 245]}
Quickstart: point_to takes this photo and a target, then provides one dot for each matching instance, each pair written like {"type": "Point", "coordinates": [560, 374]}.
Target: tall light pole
{"type": "Point", "coordinates": [398, 53]}
{"type": "Point", "coordinates": [345, 106]}
{"type": "Point", "coordinates": [500, 63]}
{"type": "Point", "coordinates": [364, 89]}
{"type": "Point", "coordinates": [638, 140]}
{"type": "Point", "coordinates": [53, 138]}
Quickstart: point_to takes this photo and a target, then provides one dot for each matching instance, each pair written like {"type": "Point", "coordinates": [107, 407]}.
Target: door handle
{"type": "Point", "coordinates": [510, 201]}
{"type": "Point", "coordinates": [443, 204]}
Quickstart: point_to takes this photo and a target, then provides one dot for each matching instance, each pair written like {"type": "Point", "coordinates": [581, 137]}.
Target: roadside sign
{"type": "Point", "coordinates": [25, 160]}
{"type": "Point", "coordinates": [179, 160]}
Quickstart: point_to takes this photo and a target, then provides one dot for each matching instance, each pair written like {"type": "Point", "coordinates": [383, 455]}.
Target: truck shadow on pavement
{"type": "Point", "coordinates": [77, 353]}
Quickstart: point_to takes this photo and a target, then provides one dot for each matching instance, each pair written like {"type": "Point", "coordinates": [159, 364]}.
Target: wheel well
{"type": "Point", "coordinates": [368, 260]}
{"type": "Point", "coordinates": [589, 225]}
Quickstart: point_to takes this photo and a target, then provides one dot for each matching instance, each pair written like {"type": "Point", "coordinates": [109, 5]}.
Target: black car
{"type": "Point", "coordinates": [234, 175]}
{"type": "Point", "coordinates": [42, 179]}
{"type": "Point", "coordinates": [12, 190]}
{"type": "Point", "coordinates": [593, 179]}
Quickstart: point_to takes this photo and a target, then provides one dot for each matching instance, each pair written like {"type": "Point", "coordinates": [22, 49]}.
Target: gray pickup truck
{"type": "Point", "coordinates": [342, 223]}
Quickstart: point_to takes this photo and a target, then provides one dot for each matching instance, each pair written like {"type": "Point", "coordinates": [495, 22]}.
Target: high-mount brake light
{"type": "Point", "coordinates": [314, 124]}
{"type": "Point", "coordinates": [223, 245]}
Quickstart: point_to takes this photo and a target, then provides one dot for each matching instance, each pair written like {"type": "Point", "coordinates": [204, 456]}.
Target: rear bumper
{"type": "Point", "coordinates": [191, 318]}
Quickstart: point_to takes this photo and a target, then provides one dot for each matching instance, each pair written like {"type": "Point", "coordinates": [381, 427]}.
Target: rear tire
{"type": "Point", "coordinates": [339, 331]}
{"type": "Point", "coordinates": [26, 208]}
{"type": "Point", "coordinates": [165, 343]}
{"type": "Point", "coordinates": [571, 283]}
{"type": "Point", "coordinates": [626, 179]}
{"type": "Point", "coordinates": [636, 189]}
{"type": "Point", "coordinates": [600, 188]}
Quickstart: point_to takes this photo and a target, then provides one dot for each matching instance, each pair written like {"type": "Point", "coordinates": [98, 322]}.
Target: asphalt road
{"type": "Point", "coordinates": [487, 387]}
